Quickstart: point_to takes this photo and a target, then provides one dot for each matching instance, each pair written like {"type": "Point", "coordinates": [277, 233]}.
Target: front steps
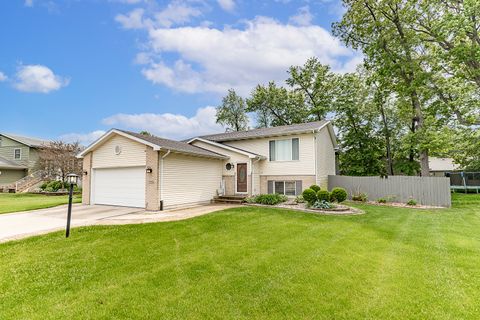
{"type": "Point", "coordinates": [229, 199]}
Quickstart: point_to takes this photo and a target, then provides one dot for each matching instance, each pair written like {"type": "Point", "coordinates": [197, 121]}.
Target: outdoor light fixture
{"type": "Point", "coordinates": [229, 166]}
{"type": "Point", "coordinates": [149, 170]}
{"type": "Point", "coordinates": [72, 179]}
{"type": "Point", "coordinates": [85, 173]}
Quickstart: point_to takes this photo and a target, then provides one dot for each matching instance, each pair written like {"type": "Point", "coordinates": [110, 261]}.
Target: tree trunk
{"type": "Point", "coordinates": [388, 147]}
{"type": "Point", "coordinates": [418, 119]}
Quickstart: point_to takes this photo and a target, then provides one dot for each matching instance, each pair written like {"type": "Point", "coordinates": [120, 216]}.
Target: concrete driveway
{"type": "Point", "coordinates": [28, 223]}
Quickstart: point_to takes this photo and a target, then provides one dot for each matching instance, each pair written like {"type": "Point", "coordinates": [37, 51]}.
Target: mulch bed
{"type": "Point", "coordinates": [400, 205]}
{"type": "Point", "coordinates": [339, 209]}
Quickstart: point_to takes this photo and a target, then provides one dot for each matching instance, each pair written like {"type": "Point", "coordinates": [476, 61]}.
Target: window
{"type": "Point", "coordinates": [0, 141]}
{"type": "Point", "coordinates": [17, 154]}
{"type": "Point", "coordinates": [288, 188]}
{"type": "Point", "coordinates": [284, 150]}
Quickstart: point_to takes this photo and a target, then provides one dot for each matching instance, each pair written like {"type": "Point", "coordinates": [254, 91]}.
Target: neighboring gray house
{"type": "Point", "coordinates": [18, 157]}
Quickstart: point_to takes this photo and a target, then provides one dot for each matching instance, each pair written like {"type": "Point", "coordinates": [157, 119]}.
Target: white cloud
{"type": "Point", "coordinates": [303, 17]}
{"type": "Point", "coordinates": [176, 12]}
{"type": "Point", "coordinates": [133, 20]}
{"type": "Point", "coordinates": [3, 77]}
{"type": "Point", "coordinates": [38, 78]}
{"type": "Point", "coordinates": [168, 125]}
{"type": "Point", "coordinates": [227, 5]}
{"type": "Point", "coordinates": [214, 60]}
{"type": "Point", "coordinates": [82, 138]}
{"type": "Point", "coordinates": [28, 3]}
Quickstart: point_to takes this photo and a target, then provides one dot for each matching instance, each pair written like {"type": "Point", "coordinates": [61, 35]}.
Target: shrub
{"type": "Point", "coordinates": [382, 200]}
{"type": "Point", "coordinates": [309, 195]}
{"type": "Point", "coordinates": [338, 194]}
{"type": "Point", "coordinates": [360, 197]}
{"type": "Point", "coordinates": [270, 199]}
{"type": "Point", "coordinates": [321, 204]}
{"type": "Point", "coordinates": [44, 185]}
{"type": "Point", "coordinates": [54, 186]}
{"type": "Point", "coordinates": [315, 187]}
{"type": "Point", "coordinates": [412, 202]}
{"type": "Point", "coordinates": [323, 195]}
{"type": "Point", "coordinates": [299, 199]}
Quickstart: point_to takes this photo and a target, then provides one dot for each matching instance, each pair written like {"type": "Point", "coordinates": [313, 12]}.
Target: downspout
{"type": "Point", "coordinates": [316, 155]}
{"type": "Point", "coordinates": [253, 165]}
{"type": "Point", "coordinates": [161, 178]}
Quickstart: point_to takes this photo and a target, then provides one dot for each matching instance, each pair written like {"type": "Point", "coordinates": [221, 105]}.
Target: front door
{"type": "Point", "coordinates": [242, 177]}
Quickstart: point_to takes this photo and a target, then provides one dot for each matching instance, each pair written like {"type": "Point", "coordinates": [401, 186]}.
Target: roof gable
{"type": "Point", "coordinates": [28, 141]}
{"type": "Point", "coordinates": [156, 143]}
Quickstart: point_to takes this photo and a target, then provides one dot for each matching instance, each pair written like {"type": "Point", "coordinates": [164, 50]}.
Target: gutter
{"type": "Point", "coordinates": [161, 178]}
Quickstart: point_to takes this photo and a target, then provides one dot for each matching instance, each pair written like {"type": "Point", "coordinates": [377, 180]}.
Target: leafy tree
{"type": "Point", "coordinates": [232, 113]}
{"type": "Point", "coordinates": [355, 117]}
{"type": "Point", "coordinates": [380, 28]}
{"type": "Point", "coordinates": [314, 81]}
{"type": "Point", "coordinates": [276, 106]}
{"type": "Point", "coordinates": [145, 133]}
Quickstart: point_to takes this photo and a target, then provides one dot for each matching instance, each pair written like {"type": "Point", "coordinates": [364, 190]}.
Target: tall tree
{"type": "Point", "coordinates": [277, 106]}
{"type": "Point", "coordinates": [315, 81]}
{"type": "Point", "coordinates": [232, 113]}
{"type": "Point", "coordinates": [355, 119]}
{"type": "Point", "coordinates": [380, 29]}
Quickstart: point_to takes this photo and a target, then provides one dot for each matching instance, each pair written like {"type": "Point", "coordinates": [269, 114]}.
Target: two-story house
{"type": "Point", "coordinates": [18, 157]}
{"type": "Point", "coordinates": [130, 169]}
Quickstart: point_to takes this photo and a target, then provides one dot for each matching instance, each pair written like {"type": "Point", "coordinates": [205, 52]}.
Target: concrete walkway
{"type": "Point", "coordinates": [29, 223]}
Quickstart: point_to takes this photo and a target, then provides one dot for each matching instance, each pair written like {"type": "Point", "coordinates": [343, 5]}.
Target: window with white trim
{"type": "Point", "coordinates": [284, 150]}
{"type": "Point", "coordinates": [287, 188]}
{"type": "Point", "coordinates": [17, 154]}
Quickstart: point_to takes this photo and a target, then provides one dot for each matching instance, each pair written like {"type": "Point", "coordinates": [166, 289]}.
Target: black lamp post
{"type": "Point", "coordinates": [72, 180]}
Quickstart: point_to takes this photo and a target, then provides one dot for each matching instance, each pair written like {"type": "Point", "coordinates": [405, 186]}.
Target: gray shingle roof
{"type": "Point", "coordinates": [7, 164]}
{"type": "Point", "coordinates": [31, 142]}
{"type": "Point", "coordinates": [266, 132]}
{"type": "Point", "coordinates": [175, 146]}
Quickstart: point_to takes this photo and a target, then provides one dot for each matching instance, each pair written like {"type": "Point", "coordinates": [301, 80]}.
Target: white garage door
{"type": "Point", "coordinates": [119, 187]}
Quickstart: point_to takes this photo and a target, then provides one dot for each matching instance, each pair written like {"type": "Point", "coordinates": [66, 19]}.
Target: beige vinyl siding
{"type": "Point", "coordinates": [133, 153]}
{"type": "Point", "coordinates": [304, 166]}
{"type": "Point", "coordinates": [9, 176]}
{"type": "Point", "coordinates": [189, 180]}
{"type": "Point", "coordinates": [325, 157]}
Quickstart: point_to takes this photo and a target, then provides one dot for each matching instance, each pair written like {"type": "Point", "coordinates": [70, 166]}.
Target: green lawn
{"type": "Point", "coordinates": [254, 263]}
{"type": "Point", "coordinates": [12, 202]}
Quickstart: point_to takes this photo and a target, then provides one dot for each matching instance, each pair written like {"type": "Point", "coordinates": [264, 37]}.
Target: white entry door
{"type": "Point", "coordinates": [119, 186]}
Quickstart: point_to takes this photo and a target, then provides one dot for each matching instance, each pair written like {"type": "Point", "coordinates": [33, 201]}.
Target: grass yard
{"type": "Point", "coordinates": [13, 202]}
{"type": "Point", "coordinates": [254, 263]}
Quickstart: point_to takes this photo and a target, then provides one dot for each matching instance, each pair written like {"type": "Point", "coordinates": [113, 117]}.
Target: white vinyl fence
{"type": "Point", "coordinates": [432, 191]}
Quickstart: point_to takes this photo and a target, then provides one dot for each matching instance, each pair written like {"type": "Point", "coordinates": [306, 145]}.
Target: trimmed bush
{"type": "Point", "coordinates": [323, 195]}
{"type": "Point", "coordinates": [315, 188]}
{"type": "Point", "coordinates": [310, 196]}
{"type": "Point", "coordinates": [338, 195]}
{"type": "Point", "coordinates": [44, 185]}
{"type": "Point", "coordinates": [270, 199]}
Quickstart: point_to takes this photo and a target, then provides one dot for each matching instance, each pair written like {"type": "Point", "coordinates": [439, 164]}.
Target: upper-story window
{"type": "Point", "coordinates": [17, 154]}
{"type": "Point", "coordinates": [284, 150]}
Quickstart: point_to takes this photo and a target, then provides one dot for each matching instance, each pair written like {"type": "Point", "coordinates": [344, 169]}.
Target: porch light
{"type": "Point", "coordinates": [85, 173]}
{"type": "Point", "coordinates": [149, 170]}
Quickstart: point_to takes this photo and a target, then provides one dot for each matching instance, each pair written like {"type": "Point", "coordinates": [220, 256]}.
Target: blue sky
{"type": "Point", "coordinates": [73, 69]}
